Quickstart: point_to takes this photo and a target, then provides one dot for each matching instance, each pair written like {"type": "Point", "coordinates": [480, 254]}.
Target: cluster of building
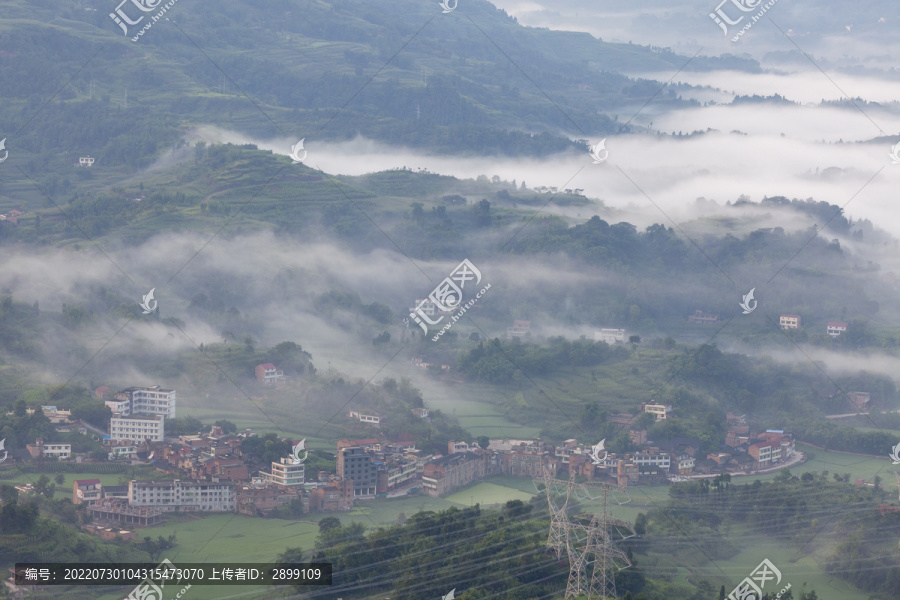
{"type": "Point", "coordinates": [211, 475]}
{"type": "Point", "coordinates": [764, 449]}
{"type": "Point", "coordinates": [139, 414]}
{"type": "Point", "coordinates": [209, 472]}
{"type": "Point", "coordinates": [12, 216]}
{"type": "Point", "coordinates": [833, 328]}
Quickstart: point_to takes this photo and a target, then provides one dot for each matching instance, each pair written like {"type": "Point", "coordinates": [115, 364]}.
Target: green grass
{"type": "Point", "coordinates": [488, 493]}
{"type": "Point", "coordinates": [795, 571]}
{"type": "Point", "coordinates": [861, 467]}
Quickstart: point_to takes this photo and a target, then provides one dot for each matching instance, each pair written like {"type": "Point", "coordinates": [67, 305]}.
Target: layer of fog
{"type": "Point", "coordinates": [686, 27]}
{"type": "Point", "coordinates": [806, 85]}
{"type": "Point", "coordinates": [656, 179]}
{"type": "Point", "coordinates": [273, 283]}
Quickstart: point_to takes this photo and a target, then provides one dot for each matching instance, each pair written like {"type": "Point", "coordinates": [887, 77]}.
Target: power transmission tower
{"type": "Point", "coordinates": [558, 494]}
{"type": "Point", "coordinates": [589, 538]}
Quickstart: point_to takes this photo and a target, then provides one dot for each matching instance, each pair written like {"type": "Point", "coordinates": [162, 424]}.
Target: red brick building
{"type": "Point", "coordinates": [255, 500]}
{"type": "Point", "coordinates": [334, 497]}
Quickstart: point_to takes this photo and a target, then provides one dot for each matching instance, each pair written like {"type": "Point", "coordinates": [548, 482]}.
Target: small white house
{"type": "Point", "coordinates": [835, 328]}
{"type": "Point", "coordinates": [610, 336]}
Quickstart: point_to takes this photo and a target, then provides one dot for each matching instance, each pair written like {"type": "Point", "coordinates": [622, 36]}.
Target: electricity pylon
{"type": "Point", "coordinates": [588, 537]}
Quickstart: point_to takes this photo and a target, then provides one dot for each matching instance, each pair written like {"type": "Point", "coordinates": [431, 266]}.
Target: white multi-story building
{"type": "Point", "coordinates": [129, 451]}
{"type": "Point", "coordinates": [662, 460]}
{"type": "Point", "coordinates": [147, 401]}
{"type": "Point", "coordinates": [285, 473]}
{"type": "Point", "coordinates": [137, 428]}
{"type": "Point", "coordinates": [789, 321]}
{"type": "Point", "coordinates": [661, 411]}
{"type": "Point", "coordinates": [425, 305]}
{"type": "Point", "coordinates": [123, 407]}
{"type": "Point", "coordinates": [610, 336]}
{"type": "Point", "coordinates": [367, 416]}
{"type": "Point", "coordinates": [454, 447]}
{"type": "Point", "coordinates": [57, 450]}
{"type": "Point", "coordinates": [180, 495]}
{"type": "Point", "coordinates": [686, 464]}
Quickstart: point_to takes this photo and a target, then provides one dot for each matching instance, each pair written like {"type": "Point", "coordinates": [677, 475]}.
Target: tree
{"type": "Point", "coordinates": [329, 523]}
{"type": "Point", "coordinates": [640, 524]}
{"type": "Point", "coordinates": [93, 412]}
{"type": "Point", "coordinates": [634, 340]}
{"type": "Point", "coordinates": [418, 214]}
{"type": "Point", "coordinates": [43, 487]}
{"type": "Point", "coordinates": [483, 441]}
{"type": "Point", "coordinates": [267, 448]}
{"type": "Point", "coordinates": [18, 519]}
{"type": "Point", "coordinates": [644, 421]}
{"type": "Point", "coordinates": [290, 556]}
{"type": "Point", "coordinates": [59, 479]}
{"type": "Point", "coordinates": [482, 211]}
{"type": "Point", "coordinates": [8, 493]}
{"type": "Point", "coordinates": [227, 426]}
{"type": "Point", "coordinates": [589, 413]}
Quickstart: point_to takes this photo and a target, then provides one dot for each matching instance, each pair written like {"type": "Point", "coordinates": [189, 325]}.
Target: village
{"type": "Point", "coordinates": [209, 472]}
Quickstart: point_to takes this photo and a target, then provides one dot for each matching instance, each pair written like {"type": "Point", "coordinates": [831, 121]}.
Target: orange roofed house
{"type": "Point", "coordinates": [267, 374]}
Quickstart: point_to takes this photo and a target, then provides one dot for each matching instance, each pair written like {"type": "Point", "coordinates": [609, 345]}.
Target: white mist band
{"type": "Point", "coordinates": [460, 313]}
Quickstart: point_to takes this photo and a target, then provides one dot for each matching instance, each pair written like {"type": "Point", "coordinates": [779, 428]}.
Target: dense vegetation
{"type": "Point", "coordinates": [307, 63]}
{"type": "Point", "coordinates": [484, 553]}
{"type": "Point", "coordinates": [478, 553]}
{"type": "Point", "coordinates": [702, 515]}
{"type": "Point", "coordinates": [504, 362]}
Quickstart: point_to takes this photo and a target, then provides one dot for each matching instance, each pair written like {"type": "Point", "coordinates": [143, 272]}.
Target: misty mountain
{"type": "Point", "coordinates": [477, 83]}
